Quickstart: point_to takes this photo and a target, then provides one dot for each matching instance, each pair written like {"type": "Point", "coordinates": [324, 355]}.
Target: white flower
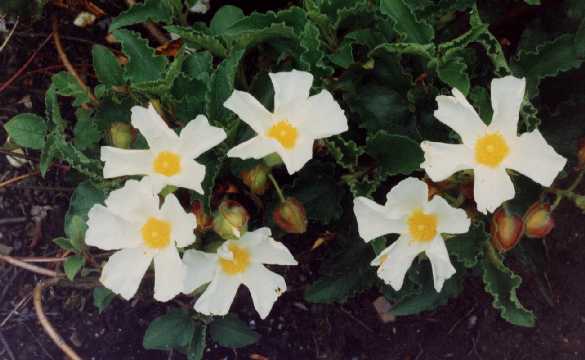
{"type": "Point", "coordinates": [420, 224]}
{"type": "Point", "coordinates": [238, 262]}
{"type": "Point", "coordinates": [491, 149]}
{"type": "Point", "coordinates": [297, 121]}
{"type": "Point", "coordinates": [133, 222]}
{"type": "Point", "coordinates": [169, 161]}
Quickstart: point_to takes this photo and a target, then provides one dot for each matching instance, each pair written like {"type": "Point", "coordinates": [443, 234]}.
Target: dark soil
{"type": "Point", "coordinates": [466, 328]}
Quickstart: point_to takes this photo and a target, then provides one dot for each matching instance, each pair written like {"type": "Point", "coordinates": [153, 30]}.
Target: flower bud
{"type": "Point", "coordinates": [272, 160]}
{"type": "Point", "coordinates": [231, 220]}
{"type": "Point", "coordinates": [204, 221]}
{"type": "Point", "coordinates": [581, 153]}
{"type": "Point", "coordinates": [538, 221]}
{"type": "Point", "coordinates": [506, 230]}
{"type": "Point", "coordinates": [121, 135]}
{"type": "Point", "coordinates": [256, 178]}
{"type": "Point", "coordinates": [290, 216]}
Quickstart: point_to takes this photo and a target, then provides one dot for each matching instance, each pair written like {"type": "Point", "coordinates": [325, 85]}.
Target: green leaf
{"type": "Point", "coordinates": [317, 189]}
{"type": "Point", "coordinates": [149, 10]}
{"type": "Point", "coordinates": [75, 230]}
{"type": "Point", "coordinates": [143, 65]}
{"type": "Point", "coordinates": [406, 23]}
{"type": "Point", "coordinates": [65, 244]}
{"type": "Point", "coordinates": [468, 248]}
{"type": "Point", "coordinates": [66, 85]}
{"type": "Point", "coordinates": [225, 17]}
{"type": "Point", "coordinates": [220, 88]}
{"type": "Point", "coordinates": [102, 297]}
{"type": "Point", "coordinates": [198, 65]}
{"type": "Point", "coordinates": [198, 342]}
{"type": "Point", "coordinates": [349, 274]}
{"type": "Point", "coordinates": [200, 40]}
{"type": "Point", "coordinates": [380, 108]}
{"type": "Point", "coordinates": [452, 70]}
{"type": "Point", "coordinates": [230, 331]}
{"type": "Point", "coordinates": [396, 154]}
{"type": "Point", "coordinates": [171, 331]}
{"type": "Point", "coordinates": [72, 266]}
{"type": "Point", "coordinates": [312, 56]}
{"type": "Point", "coordinates": [502, 284]}
{"type": "Point", "coordinates": [107, 68]}
{"type": "Point", "coordinates": [428, 298]}
{"type": "Point", "coordinates": [49, 152]}
{"type": "Point", "coordinates": [85, 196]}
{"type": "Point", "coordinates": [549, 59]}
{"type": "Point", "coordinates": [343, 56]}
{"type": "Point", "coordinates": [345, 152]}
{"type": "Point", "coordinates": [426, 51]}
{"type": "Point", "coordinates": [480, 99]}
{"type": "Point", "coordinates": [85, 133]}
{"type": "Point", "coordinates": [27, 130]}
{"type": "Point", "coordinates": [532, 2]}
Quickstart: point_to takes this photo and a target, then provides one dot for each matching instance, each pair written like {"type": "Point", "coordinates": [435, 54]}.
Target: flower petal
{"type": "Point", "coordinates": [265, 287]}
{"type": "Point", "coordinates": [440, 262]}
{"type": "Point", "coordinates": [507, 95]}
{"type": "Point", "coordinates": [443, 160]}
{"type": "Point", "coordinates": [408, 195]}
{"type": "Point", "coordinates": [182, 223]}
{"type": "Point", "coordinates": [451, 220]}
{"type": "Point", "coordinates": [322, 116]}
{"type": "Point", "coordinates": [134, 201]}
{"type": "Point", "coordinates": [191, 176]}
{"type": "Point", "coordinates": [169, 274]}
{"type": "Point", "coordinates": [154, 129]}
{"type": "Point", "coordinates": [108, 231]}
{"type": "Point", "coordinates": [290, 86]}
{"type": "Point", "coordinates": [201, 268]}
{"type": "Point", "coordinates": [121, 162]}
{"type": "Point", "coordinates": [264, 249]}
{"type": "Point", "coordinates": [491, 188]}
{"type": "Point", "coordinates": [373, 219]}
{"type": "Point", "coordinates": [198, 136]}
{"type": "Point", "coordinates": [455, 112]}
{"type": "Point", "coordinates": [296, 158]}
{"type": "Point", "coordinates": [255, 148]}
{"type": "Point", "coordinates": [398, 260]}
{"type": "Point", "coordinates": [219, 295]}
{"type": "Point", "coordinates": [533, 157]}
{"type": "Point", "coordinates": [124, 271]}
{"type": "Point", "coordinates": [249, 110]}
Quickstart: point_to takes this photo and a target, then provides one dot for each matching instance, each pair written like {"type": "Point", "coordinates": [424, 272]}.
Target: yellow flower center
{"type": "Point", "coordinates": [167, 163]}
{"type": "Point", "coordinates": [491, 149]}
{"type": "Point", "coordinates": [156, 233]}
{"type": "Point", "coordinates": [284, 133]}
{"type": "Point", "coordinates": [238, 264]}
{"type": "Point", "coordinates": [422, 227]}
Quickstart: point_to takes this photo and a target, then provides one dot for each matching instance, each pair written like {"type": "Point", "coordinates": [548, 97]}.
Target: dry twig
{"type": "Point", "coordinates": [18, 178]}
{"type": "Point", "coordinates": [70, 68]}
{"type": "Point", "coordinates": [49, 329]}
{"type": "Point", "coordinates": [30, 267]}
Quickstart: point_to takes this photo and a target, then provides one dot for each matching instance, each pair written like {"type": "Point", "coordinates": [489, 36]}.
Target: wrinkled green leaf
{"type": "Point", "coordinates": [171, 331]}
{"type": "Point", "coordinates": [396, 154]}
{"type": "Point", "coordinates": [143, 65]}
{"type": "Point", "coordinates": [27, 130]}
{"type": "Point", "coordinates": [405, 21]}
{"type": "Point", "coordinates": [107, 68]}
{"type": "Point", "coordinates": [230, 331]}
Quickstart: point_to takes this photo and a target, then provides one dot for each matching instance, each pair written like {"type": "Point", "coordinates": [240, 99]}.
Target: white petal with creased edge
{"type": "Point", "coordinates": [296, 122]}
{"type": "Point", "coordinates": [133, 222]}
{"type": "Point", "coordinates": [124, 271]}
{"type": "Point", "coordinates": [490, 150]}
{"type": "Point", "coordinates": [419, 222]}
{"type": "Point", "coordinates": [373, 219]}
{"type": "Point", "coordinates": [265, 287]}
{"type": "Point", "coordinates": [238, 262]}
{"type": "Point", "coordinates": [170, 158]}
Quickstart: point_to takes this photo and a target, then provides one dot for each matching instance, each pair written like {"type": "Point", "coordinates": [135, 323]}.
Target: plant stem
{"type": "Point", "coordinates": [278, 190]}
{"type": "Point", "coordinates": [569, 192]}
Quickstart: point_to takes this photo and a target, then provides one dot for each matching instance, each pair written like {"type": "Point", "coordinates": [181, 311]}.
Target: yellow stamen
{"type": "Point", "coordinates": [422, 227]}
{"type": "Point", "coordinates": [491, 149]}
{"type": "Point", "coordinates": [167, 163]}
{"type": "Point", "coordinates": [156, 233]}
{"type": "Point", "coordinates": [238, 264]}
{"type": "Point", "coordinates": [284, 133]}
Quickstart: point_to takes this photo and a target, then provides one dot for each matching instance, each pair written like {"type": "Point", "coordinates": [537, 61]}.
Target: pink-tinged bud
{"type": "Point", "coordinates": [256, 178]}
{"type": "Point", "coordinates": [121, 135]}
{"type": "Point", "coordinates": [204, 221]}
{"type": "Point", "coordinates": [506, 230]}
{"type": "Point", "coordinates": [290, 216]}
{"type": "Point", "coordinates": [538, 221]}
{"type": "Point", "coordinates": [231, 220]}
